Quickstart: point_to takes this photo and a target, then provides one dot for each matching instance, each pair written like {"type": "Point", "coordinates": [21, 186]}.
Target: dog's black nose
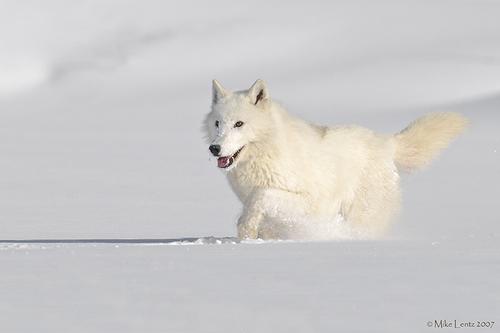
{"type": "Point", "coordinates": [215, 149]}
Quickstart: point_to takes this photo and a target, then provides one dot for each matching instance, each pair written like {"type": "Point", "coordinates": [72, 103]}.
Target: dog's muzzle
{"type": "Point", "coordinates": [226, 161]}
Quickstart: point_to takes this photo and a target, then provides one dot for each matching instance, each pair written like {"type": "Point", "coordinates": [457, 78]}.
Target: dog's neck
{"type": "Point", "coordinates": [261, 170]}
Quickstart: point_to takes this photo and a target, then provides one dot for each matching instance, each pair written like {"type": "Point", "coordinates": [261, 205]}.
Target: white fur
{"type": "Point", "coordinates": [293, 173]}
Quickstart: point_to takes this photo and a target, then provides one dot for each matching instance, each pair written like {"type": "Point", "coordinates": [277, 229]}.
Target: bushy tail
{"type": "Point", "coordinates": [423, 139]}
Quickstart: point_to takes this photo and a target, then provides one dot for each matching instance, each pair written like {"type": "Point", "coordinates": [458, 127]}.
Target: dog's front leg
{"type": "Point", "coordinates": [252, 215]}
{"type": "Point", "coordinates": [248, 223]}
{"type": "Point", "coordinates": [272, 203]}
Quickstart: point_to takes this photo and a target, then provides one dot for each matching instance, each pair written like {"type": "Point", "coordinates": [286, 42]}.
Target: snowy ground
{"type": "Point", "coordinates": [101, 104]}
{"type": "Point", "coordinates": [391, 286]}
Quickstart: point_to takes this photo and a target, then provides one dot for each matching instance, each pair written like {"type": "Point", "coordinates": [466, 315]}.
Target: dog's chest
{"type": "Point", "coordinates": [250, 176]}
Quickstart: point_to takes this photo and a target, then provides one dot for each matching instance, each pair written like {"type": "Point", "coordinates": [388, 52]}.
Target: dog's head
{"type": "Point", "coordinates": [237, 121]}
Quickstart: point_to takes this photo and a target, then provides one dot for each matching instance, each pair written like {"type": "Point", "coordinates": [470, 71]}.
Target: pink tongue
{"type": "Point", "coordinates": [223, 162]}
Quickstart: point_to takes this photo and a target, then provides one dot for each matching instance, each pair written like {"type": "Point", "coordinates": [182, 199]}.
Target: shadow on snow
{"type": "Point", "coordinates": [186, 240]}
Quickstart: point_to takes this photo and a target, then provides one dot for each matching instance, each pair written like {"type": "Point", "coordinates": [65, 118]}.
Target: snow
{"type": "Point", "coordinates": [286, 287]}
{"type": "Point", "coordinates": [101, 104]}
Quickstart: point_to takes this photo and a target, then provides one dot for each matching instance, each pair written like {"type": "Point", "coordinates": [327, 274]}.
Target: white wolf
{"type": "Point", "coordinates": [285, 170]}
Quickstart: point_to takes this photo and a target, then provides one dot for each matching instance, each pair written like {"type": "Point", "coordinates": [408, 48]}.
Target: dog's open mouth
{"type": "Point", "coordinates": [226, 161]}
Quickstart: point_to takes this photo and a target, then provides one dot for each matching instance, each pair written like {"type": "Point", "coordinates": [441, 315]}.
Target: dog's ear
{"type": "Point", "coordinates": [258, 92]}
{"type": "Point", "coordinates": [218, 91]}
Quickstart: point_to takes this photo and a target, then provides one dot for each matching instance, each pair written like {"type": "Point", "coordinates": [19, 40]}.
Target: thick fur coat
{"type": "Point", "coordinates": [287, 171]}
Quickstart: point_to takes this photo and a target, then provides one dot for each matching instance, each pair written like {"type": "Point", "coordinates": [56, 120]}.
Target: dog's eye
{"type": "Point", "coordinates": [217, 123]}
{"type": "Point", "coordinates": [238, 124]}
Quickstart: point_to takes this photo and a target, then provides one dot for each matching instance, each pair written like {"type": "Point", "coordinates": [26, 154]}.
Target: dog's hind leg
{"type": "Point", "coordinates": [375, 204]}
{"type": "Point", "coordinates": [269, 203]}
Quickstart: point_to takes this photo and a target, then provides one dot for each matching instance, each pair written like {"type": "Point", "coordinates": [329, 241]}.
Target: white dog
{"type": "Point", "coordinates": [287, 171]}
